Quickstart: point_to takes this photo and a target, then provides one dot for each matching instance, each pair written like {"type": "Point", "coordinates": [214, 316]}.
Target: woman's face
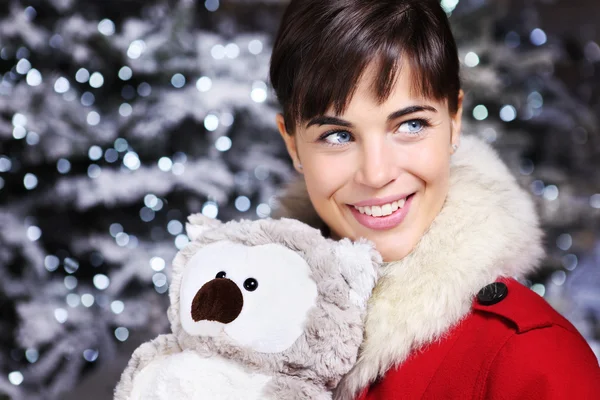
{"type": "Point", "coordinates": [378, 171]}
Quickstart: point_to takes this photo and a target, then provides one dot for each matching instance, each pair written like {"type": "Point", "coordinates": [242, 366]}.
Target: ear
{"type": "Point", "coordinates": [456, 121]}
{"type": "Point", "coordinates": [290, 142]}
{"type": "Point", "coordinates": [359, 264]}
{"type": "Point", "coordinates": [198, 224]}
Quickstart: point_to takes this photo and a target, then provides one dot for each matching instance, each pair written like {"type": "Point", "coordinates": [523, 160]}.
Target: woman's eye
{"type": "Point", "coordinates": [338, 137]}
{"type": "Point", "coordinates": [412, 126]}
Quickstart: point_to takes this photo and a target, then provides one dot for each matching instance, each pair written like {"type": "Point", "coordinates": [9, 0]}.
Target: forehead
{"type": "Point", "coordinates": [402, 93]}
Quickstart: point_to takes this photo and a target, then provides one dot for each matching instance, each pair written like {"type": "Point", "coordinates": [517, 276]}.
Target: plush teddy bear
{"type": "Point", "coordinates": [266, 309]}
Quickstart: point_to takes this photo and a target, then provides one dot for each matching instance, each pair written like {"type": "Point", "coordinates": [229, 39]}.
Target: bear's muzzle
{"type": "Point", "coordinates": [218, 300]}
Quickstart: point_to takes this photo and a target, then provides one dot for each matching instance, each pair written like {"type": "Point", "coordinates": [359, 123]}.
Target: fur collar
{"type": "Point", "coordinates": [488, 228]}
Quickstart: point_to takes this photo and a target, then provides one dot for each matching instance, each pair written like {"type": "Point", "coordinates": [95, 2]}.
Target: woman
{"type": "Point", "coordinates": [371, 118]}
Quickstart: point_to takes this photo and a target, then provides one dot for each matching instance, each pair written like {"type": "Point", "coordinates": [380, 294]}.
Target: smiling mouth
{"type": "Point", "coordinates": [383, 216]}
{"type": "Point", "coordinates": [382, 210]}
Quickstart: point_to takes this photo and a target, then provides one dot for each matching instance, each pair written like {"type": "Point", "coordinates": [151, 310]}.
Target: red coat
{"type": "Point", "coordinates": [517, 348]}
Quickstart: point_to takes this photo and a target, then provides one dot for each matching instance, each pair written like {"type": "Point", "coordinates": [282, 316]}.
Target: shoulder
{"type": "Point", "coordinates": [519, 306]}
{"type": "Point", "coordinates": [549, 363]}
{"type": "Point", "coordinates": [541, 354]}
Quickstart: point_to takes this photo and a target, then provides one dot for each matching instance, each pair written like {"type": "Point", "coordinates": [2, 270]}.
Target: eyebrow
{"type": "Point", "coordinates": [327, 120]}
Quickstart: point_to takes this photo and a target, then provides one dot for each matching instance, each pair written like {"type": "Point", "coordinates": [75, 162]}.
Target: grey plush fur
{"type": "Point", "coordinates": [345, 273]}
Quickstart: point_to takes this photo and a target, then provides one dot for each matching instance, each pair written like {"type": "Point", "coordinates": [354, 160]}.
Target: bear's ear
{"type": "Point", "coordinates": [198, 224]}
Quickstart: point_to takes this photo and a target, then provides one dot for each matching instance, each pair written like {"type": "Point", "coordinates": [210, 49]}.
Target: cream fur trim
{"type": "Point", "coordinates": [488, 228]}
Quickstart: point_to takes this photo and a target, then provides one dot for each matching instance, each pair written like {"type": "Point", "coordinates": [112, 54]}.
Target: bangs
{"type": "Point", "coordinates": [341, 42]}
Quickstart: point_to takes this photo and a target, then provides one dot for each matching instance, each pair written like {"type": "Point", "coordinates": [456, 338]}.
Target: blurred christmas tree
{"type": "Point", "coordinates": [119, 118]}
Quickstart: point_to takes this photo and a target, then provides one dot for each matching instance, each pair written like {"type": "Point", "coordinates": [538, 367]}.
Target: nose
{"type": "Point", "coordinates": [218, 300]}
{"type": "Point", "coordinates": [378, 164]}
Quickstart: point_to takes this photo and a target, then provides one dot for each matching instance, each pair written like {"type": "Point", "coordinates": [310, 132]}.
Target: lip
{"type": "Point", "coordinates": [383, 223]}
{"type": "Point", "coordinates": [380, 202]}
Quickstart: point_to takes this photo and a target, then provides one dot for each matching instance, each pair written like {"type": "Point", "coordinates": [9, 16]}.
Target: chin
{"type": "Point", "coordinates": [391, 252]}
{"type": "Point", "coordinates": [392, 245]}
{"type": "Point", "coordinates": [392, 248]}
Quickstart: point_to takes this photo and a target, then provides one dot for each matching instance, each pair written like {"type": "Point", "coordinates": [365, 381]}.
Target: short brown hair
{"type": "Point", "coordinates": [323, 47]}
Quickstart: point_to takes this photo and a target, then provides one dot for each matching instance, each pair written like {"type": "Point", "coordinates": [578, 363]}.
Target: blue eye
{"type": "Point", "coordinates": [412, 126]}
{"type": "Point", "coordinates": [337, 137]}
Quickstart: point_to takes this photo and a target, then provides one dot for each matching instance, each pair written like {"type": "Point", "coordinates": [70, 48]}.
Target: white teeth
{"type": "Point", "coordinates": [383, 210]}
{"type": "Point", "coordinates": [386, 209]}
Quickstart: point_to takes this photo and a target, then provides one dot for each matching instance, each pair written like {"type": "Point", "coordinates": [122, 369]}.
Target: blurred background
{"type": "Point", "coordinates": [118, 118]}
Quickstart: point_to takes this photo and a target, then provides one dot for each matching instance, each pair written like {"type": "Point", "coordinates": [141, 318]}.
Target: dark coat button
{"type": "Point", "coordinates": [492, 294]}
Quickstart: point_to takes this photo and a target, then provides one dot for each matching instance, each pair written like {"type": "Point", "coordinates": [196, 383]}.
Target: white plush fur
{"type": "Point", "coordinates": [487, 228]}
{"type": "Point", "coordinates": [143, 357]}
{"type": "Point", "coordinates": [187, 375]}
{"type": "Point", "coordinates": [274, 316]}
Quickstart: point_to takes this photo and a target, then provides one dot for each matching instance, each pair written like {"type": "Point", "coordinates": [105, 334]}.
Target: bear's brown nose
{"type": "Point", "coordinates": [217, 300]}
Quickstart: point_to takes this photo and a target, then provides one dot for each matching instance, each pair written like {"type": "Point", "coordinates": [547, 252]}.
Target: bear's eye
{"type": "Point", "coordinates": [250, 284]}
{"type": "Point", "coordinates": [221, 274]}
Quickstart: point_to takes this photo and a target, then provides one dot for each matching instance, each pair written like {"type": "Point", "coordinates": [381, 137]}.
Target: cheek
{"type": "Point", "coordinates": [325, 174]}
{"type": "Point", "coordinates": [431, 164]}
{"type": "Point", "coordinates": [435, 169]}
